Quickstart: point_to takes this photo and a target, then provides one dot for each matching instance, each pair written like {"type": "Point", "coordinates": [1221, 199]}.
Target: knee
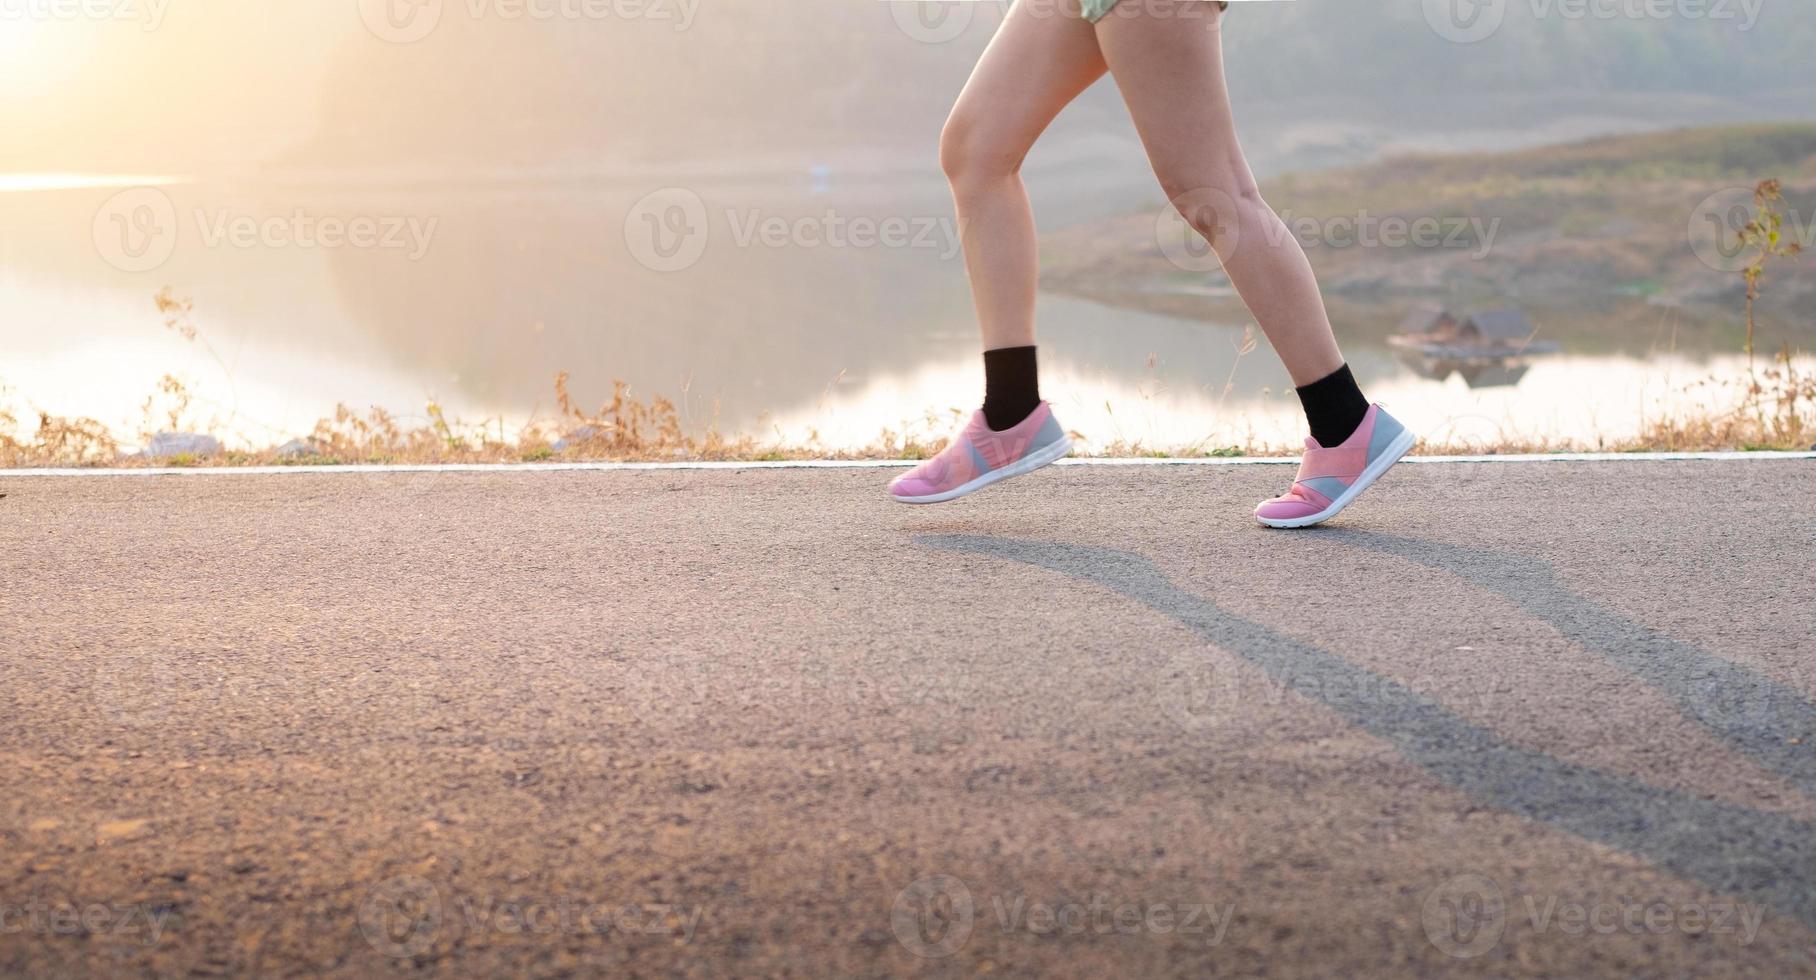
{"type": "Point", "coordinates": [972, 153]}
{"type": "Point", "coordinates": [1216, 207]}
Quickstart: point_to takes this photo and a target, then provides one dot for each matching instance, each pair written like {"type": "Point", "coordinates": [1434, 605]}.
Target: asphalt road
{"type": "Point", "coordinates": [1501, 719]}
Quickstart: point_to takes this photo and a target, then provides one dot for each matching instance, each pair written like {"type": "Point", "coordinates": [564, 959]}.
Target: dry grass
{"type": "Point", "coordinates": [1772, 413]}
{"type": "Point", "coordinates": [624, 429]}
{"type": "Point", "coordinates": [55, 442]}
{"type": "Point", "coordinates": [1774, 410]}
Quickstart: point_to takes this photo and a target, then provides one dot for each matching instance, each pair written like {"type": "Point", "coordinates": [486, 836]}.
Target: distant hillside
{"type": "Point", "coordinates": [1566, 225]}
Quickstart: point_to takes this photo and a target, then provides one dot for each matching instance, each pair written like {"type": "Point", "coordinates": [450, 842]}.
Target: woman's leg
{"type": "Point", "coordinates": [1042, 57]}
{"type": "Point", "coordinates": [1044, 54]}
{"type": "Point", "coordinates": [1039, 61]}
{"type": "Point", "coordinates": [1167, 58]}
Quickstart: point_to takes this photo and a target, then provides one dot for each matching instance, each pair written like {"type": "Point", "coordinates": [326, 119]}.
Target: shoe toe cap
{"type": "Point", "coordinates": [912, 485]}
{"type": "Point", "coordinates": [1289, 508]}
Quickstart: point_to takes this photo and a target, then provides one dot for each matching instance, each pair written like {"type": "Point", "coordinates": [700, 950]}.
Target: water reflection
{"type": "Point", "coordinates": [1490, 349]}
{"type": "Point", "coordinates": [1160, 383]}
{"type": "Point", "coordinates": [1476, 373]}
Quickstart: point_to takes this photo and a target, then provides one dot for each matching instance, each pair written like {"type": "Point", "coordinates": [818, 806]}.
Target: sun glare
{"type": "Point", "coordinates": [11, 31]}
{"type": "Point", "coordinates": [22, 57]}
{"type": "Point", "coordinates": [35, 54]}
{"type": "Point", "coordinates": [16, 37]}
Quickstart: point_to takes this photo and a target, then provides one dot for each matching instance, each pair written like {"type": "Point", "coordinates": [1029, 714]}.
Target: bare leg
{"type": "Point", "coordinates": [1167, 58]}
{"type": "Point", "coordinates": [1039, 61]}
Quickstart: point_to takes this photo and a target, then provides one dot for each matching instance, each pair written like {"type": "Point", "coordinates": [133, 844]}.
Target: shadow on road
{"type": "Point", "coordinates": [1744, 708]}
{"type": "Point", "coordinates": [1765, 857]}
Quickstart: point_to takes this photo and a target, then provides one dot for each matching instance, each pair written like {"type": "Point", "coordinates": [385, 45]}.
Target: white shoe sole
{"type": "Point", "coordinates": [1398, 448]}
{"type": "Point", "coordinates": [1027, 464]}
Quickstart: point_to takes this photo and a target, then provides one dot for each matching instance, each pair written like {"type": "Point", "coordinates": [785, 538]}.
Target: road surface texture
{"type": "Point", "coordinates": [1500, 719]}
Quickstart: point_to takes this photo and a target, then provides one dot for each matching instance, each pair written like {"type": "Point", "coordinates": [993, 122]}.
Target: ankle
{"type": "Point", "coordinates": [1011, 386]}
{"type": "Point", "coordinates": [1334, 407]}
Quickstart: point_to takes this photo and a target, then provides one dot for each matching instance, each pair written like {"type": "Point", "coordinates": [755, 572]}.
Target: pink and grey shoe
{"type": "Point", "coordinates": [1330, 479]}
{"type": "Point", "coordinates": [977, 457]}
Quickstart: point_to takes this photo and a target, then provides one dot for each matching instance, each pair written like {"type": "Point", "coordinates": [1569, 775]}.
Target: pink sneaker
{"type": "Point", "coordinates": [1329, 479]}
{"type": "Point", "coordinates": [978, 457]}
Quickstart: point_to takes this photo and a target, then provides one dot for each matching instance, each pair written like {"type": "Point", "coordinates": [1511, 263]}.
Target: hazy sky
{"type": "Point", "coordinates": [225, 85]}
{"type": "Point", "coordinates": [195, 80]}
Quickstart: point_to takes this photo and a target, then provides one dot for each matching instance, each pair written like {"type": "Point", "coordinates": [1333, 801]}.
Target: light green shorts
{"type": "Point", "coordinates": [1096, 9]}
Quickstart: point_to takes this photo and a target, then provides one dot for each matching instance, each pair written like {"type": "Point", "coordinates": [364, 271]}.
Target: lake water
{"type": "Point", "coordinates": [811, 306]}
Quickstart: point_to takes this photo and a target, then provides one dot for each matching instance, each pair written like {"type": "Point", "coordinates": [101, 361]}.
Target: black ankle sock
{"type": "Point", "coordinates": [1334, 406]}
{"type": "Point", "coordinates": [1011, 386]}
